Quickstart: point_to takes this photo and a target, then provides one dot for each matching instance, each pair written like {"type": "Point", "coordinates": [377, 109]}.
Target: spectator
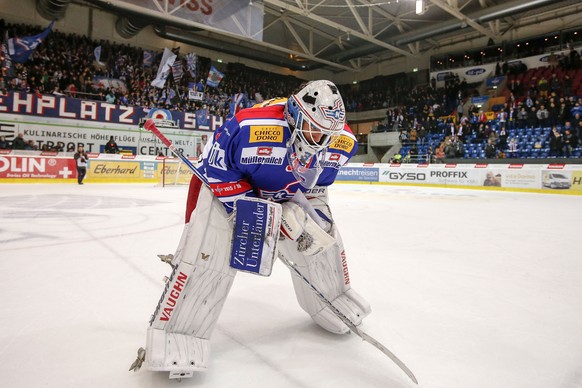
{"type": "Point", "coordinates": [511, 148]}
{"type": "Point", "coordinates": [81, 159]}
{"type": "Point", "coordinates": [570, 142]}
{"type": "Point", "coordinates": [3, 143]}
{"type": "Point", "coordinates": [577, 128]}
{"type": "Point", "coordinates": [490, 150]}
{"type": "Point", "coordinates": [567, 85]}
{"type": "Point", "coordinates": [403, 137]}
{"type": "Point", "coordinates": [413, 136]}
{"type": "Point", "coordinates": [543, 115]}
{"type": "Point", "coordinates": [111, 146]}
{"type": "Point", "coordinates": [555, 84]}
{"type": "Point", "coordinates": [502, 143]}
{"type": "Point", "coordinates": [512, 118]}
{"type": "Point", "coordinates": [440, 155]}
{"type": "Point", "coordinates": [450, 149]}
{"type": "Point", "coordinates": [555, 140]}
{"type": "Point", "coordinates": [30, 146]}
{"type": "Point", "coordinates": [421, 134]}
{"type": "Point", "coordinates": [543, 87]}
{"type": "Point", "coordinates": [396, 159]}
{"type": "Point", "coordinates": [18, 143]}
{"type": "Point", "coordinates": [532, 118]}
{"type": "Point", "coordinates": [522, 117]}
{"type": "Point", "coordinates": [459, 148]}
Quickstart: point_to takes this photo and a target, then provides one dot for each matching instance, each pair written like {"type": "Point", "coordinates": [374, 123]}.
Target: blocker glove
{"type": "Point", "coordinates": [298, 226]}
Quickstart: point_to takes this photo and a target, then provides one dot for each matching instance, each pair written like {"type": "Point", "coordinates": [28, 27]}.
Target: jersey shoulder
{"type": "Point", "coordinates": [270, 102]}
{"type": "Point", "coordinates": [345, 144]}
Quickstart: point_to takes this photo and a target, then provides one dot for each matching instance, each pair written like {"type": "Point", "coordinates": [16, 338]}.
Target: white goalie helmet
{"type": "Point", "coordinates": [316, 116]}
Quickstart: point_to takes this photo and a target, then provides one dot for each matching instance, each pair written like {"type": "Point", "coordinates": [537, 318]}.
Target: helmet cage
{"type": "Point", "coordinates": [316, 117]}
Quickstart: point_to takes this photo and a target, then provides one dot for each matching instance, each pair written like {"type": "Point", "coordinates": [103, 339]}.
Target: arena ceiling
{"type": "Point", "coordinates": [348, 35]}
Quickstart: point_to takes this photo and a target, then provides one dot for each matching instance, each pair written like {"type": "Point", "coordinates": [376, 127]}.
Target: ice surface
{"type": "Point", "coordinates": [471, 289]}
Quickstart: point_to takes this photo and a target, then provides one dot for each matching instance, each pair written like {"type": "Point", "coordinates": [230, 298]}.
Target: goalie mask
{"type": "Point", "coordinates": [316, 117]}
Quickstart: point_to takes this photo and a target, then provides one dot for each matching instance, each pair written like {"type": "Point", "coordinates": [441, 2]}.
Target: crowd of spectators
{"type": "Point", "coordinates": [66, 64]}
{"type": "Point", "coordinates": [534, 122]}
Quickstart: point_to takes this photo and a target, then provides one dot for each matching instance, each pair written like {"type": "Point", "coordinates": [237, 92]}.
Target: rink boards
{"type": "Point", "coordinates": [39, 167]}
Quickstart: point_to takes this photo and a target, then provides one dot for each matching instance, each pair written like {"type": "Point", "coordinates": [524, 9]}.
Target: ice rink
{"type": "Point", "coordinates": [471, 289]}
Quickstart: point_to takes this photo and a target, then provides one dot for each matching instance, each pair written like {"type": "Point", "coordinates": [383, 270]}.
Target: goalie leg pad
{"type": "Point", "coordinates": [193, 298]}
{"type": "Point", "coordinates": [326, 272]}
{"type": "Point", "coordinates": [179, 354]}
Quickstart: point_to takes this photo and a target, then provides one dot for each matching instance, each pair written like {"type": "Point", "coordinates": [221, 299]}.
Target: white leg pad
{"type": "Point", "coordinates": [328, 272]}
{"type": "Point", "coordinates": [180, 329]}
{"type": "Point", "coordinates": [177, 353]}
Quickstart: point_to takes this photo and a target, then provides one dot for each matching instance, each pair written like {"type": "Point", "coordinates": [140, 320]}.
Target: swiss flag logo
{"type": "Point", "coordinates": [264, 151]}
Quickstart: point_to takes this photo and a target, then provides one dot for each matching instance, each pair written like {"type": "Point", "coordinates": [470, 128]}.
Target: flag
{"type": "Point", "coordinates": [170, 96]}
{"type": "Point", "coordinates": [202, 117]}
{"type": "Point", "coordinates": [177, 70]}
{"type": "Point", "coordinates": [148, 58]}
{"type": "Point", "coordinates": [20, 49]}
{"type": "Point", "coordinates": [164, 70]}
{"type": "Point", "coordinates": [6, 60]}
{"type": "Point", "coordinates": [238, 100]}
{"type": "Point", "coordinates": [214, 77]}
{"type": "Point", "coordinates": [191, 64]}
{"type": "Point", "coordinates": [97, 53]}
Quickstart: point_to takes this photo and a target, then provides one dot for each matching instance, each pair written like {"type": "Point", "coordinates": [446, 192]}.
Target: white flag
{"type": "Point", "coordinates": [164, 70]}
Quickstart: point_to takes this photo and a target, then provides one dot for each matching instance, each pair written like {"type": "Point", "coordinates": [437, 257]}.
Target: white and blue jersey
{"type": "Point", "coordinates": [248, 156]}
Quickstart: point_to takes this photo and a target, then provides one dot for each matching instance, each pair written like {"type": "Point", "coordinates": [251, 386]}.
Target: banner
{"type": "Point", "coordinates": [148, 58]}
{"type": "Point", "coordinates": [238, 99]}
{"type": "Point", "coordinates": [164, 70]}
{"type": "Point", "coordinates": [494, 82]}
{"type": "Point", "coordinates": [194, 95]}
{"type": "Point", "coordinates": [177, 70]}
{"type": "Point", "coordinates": [36, 167]}
{"type": "Point", "coordinates": [191, 64]}
{"type": "Point", "coordinates": [202, 116]}
{"type": "Point", "coordinates": [214, 77]}
{"type": "Point", "coordinates": [20, 49]}
{"type": "Point", "coordinates": [240, 17]}
{"type": "Point", "coordinates": [87, 113]}
{"type": "Point", "coordinates": [102, 82]}
{"type": "Point", "coordinates": [6, 60]}
{"type": "Point", "coordinates": [97, 53]}
{"type": "Point", "coordinates": [363, 174]}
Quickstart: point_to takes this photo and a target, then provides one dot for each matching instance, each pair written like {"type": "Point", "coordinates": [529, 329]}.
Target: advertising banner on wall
{"type": "Point", "coordinates": [66, 108]}
{"type": "Point", "coordinates": [121, 170]}
{"type": "Point", "coordinates": [68, 135]}
{"type": "Point", "coordinates": [362, 174]}
{"type": "Point", "coordinates": [512, 176]}
{"type": "Point", "coordinates": [36, 167]}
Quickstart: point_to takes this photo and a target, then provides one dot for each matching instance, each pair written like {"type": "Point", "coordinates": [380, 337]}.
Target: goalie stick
{"type": "Point", "coordinates": [151, 126]}
{"type": "Point", "coordinates": [360, 333]}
